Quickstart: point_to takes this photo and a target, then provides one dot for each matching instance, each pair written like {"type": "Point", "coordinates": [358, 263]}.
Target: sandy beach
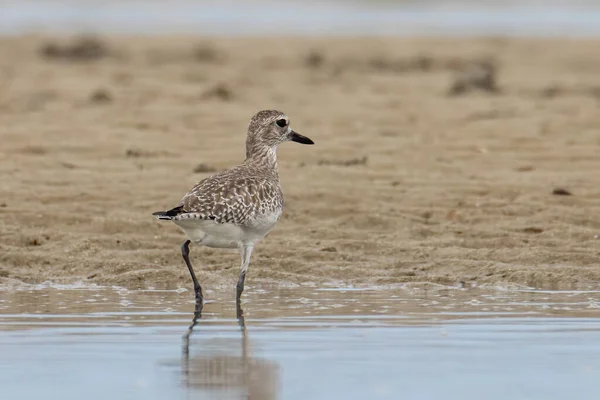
{"type": "Point", "coordinates": [493, 183]}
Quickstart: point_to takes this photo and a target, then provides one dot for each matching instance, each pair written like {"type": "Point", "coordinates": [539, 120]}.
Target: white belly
{"type": "Point", "coordinates": [227, 236]}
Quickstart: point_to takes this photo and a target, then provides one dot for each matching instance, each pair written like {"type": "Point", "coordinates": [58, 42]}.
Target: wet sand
{"type": "Point", "coordinates": [406, 183]}
{"type": "Point", "coordinates": [299, 343]}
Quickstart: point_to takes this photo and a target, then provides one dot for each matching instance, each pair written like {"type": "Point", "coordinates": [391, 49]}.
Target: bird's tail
{"type": "Point", "coordinates": [162, 215]}
{"type": "Point", "coordinates": [168, 215]}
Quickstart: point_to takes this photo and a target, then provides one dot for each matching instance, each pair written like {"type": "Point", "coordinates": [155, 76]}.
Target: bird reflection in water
{"type": "Point", "coordinates": [224, 367]}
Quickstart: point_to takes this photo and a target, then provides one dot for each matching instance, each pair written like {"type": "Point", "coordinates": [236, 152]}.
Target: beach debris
{"type": "Point", "coordinates": [34, 242]}
{"type": "Point", "coordinates": [314, 59]}
{"type": "Point", "coordinates": [525, 168]}
{"type": "Point", "coordinates": [417, 63]}
{"type": "Point", "coordinates": [552, 91]}
{"type": "Point", "coordinates": [345, 163]}
{"type": "Point", "coordinates": [206, 53]}
{"type": "Point", "coordinates": [134, 153]}
{"type": "Point", "coordinates": [561, 192]}
{"type": "Point", "coordinates": [476, 75]}
{"type": "Point", "coordinates": [203, 168]}
{"type": "Point", "coordinates": [82, 49]}
{"type": "Point", "coordinates": [100, 96]}
{"type": "Point", "coordinates": [329, 249]}
{"type": "Point", "coordinates": [533, 230]}
{"type": "Point", "coordinates": [68, 165]}
{"type": "Point", "coordinates": [220, 91]}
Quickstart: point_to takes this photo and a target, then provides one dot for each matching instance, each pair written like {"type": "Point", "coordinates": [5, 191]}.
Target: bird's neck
{"type": "Point", "coordinates": [262, 155]}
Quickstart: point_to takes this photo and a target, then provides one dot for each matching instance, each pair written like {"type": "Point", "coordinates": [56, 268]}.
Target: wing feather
{"type": "Point", "coordinates": [230, 198]}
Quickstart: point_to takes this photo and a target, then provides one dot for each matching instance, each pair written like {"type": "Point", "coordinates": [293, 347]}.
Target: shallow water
{"type": "Point", "coordinates": [302, 343]}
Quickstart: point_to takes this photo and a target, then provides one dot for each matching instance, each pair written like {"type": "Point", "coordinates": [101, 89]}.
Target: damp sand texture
{"type": "Point", "coordinates": [437, 160]}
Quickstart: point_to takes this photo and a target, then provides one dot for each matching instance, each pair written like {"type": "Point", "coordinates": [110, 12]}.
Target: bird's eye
{"type": "Point", "coordinates": [282, 123]}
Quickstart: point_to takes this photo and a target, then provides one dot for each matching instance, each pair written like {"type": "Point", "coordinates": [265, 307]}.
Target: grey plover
{"type": "Point", "coordinates": [236, 208]}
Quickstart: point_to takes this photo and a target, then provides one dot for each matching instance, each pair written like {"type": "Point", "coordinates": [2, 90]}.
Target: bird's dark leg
{"type": "Point", "coordinates": [240, 316]}
{"type": "Point", "coordinates": [246, 252]}
{"type": "Point", "coordinates": [185, 252]}
{"type": "Point", "coordinates": [239, 288]}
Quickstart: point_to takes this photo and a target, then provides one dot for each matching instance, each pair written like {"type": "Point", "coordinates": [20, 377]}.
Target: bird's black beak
{"type": "Point", "coordinates": [296, 137]}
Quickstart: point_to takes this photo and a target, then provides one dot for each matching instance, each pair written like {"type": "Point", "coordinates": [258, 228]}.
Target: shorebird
{"type": "Point", "coordinates": [236, 208]}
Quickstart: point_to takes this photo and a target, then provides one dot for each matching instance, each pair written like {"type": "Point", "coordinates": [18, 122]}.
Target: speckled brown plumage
{"type": "Point", "coordinates": [235, 196]}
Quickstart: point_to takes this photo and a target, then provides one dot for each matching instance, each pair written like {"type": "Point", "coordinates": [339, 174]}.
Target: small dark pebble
{"type": "Point", "coordinates": [314, 59]}
{"type": "Point", "coordinates": [206, 53]}
{"type": "Point", "coordinates": [100, 96]}
{"type": "Point", "coordinates": [525, 168]}
{"type": "Point", "coordinates": [4, 274]}
{"type": "Point", "coordinates": [202, 168]}
{"type": "Point", "coordinates": [419, 63]}
{"type": "Point", "coordinates": [476, 75]}
{"type": "Point", "coordinates": [92, 276]}
{"type": "Point", "coordinates": [139, 153]}
{"type": "Point", "coordinates": [82, 49]}
{"type": "Point", "coordinates": [427, 215]}
{"type": "Point", "coordinates": [330, 249]}
{"type": "Point", "coordinates": [345, 163]}
{"type": "Point", "coordinates": [68, 165]}
{"type": "Point", "coordinates": [34, 242]}
{"type": "Point", "coordinates": [561, 192]}
{"type": "Point", "coordinates": [552, 91]}
{"type": "Point", "coordinates": [134, 153]}
{"type": "Point", "coordinates": [3, 205]}
{"type": "Point", "coordinates": [219, 91]}
{"type": "Point", "coordinates": [533, 230]}
{"type": "Point", "coordinates": [423, 63]}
